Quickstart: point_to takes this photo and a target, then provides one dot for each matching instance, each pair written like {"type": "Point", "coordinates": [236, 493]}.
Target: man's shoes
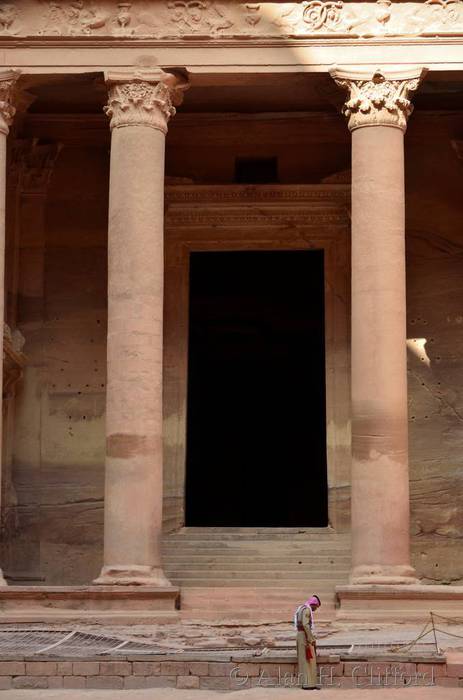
{"type": "Point", "coordinates": [312, 687]}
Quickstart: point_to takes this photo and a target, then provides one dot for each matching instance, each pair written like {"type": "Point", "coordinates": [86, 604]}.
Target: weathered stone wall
{"type": "Point", "coordinates": [435, 361]}
{"type": "Point", "coordinates": [59, 442]}
{"type": "Point", "coordinates": [221, 672]}
{"type": "Point", "coordinates": [59, 453]}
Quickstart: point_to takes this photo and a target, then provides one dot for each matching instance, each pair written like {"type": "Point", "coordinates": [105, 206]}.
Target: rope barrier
{"type": "Point", "coordinates": [456, 620]}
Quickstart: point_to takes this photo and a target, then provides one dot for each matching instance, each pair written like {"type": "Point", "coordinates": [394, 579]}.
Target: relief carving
{"type": "Point", "coordinates": [319, 15]}
{"type": "Point", "coordinates": [14, 359]}
{"type": "Point", "coordinates": [33, 164]}
{"type": "Point", "coordinates": [7, 98]}
{"type": "Point", "coordinates": [197, 17]}
{"type": "Point", "coordinates": [143, 100]}
{"type": "Point", "coordinates": [72, 18]}
{"type": "Point", "coordinates": [377, 100]}
{"type": "Point", "coordinates": [9, 19]}
{"type": "Point", "coordinates": [214, 18]}
{"type": "Point", "coordinates": [252, 13]}
{"type": "Point", "coordinates": [121, 22]}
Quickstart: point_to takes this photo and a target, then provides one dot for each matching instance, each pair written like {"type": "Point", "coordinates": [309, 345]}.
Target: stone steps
{"type": "Point", "coordinates": [255, 547]}
{"type": "Point", "coordinates": [239, 557]}
{"type": "Point", "coordinates": [292, 566]}
{"type": "Point", "coordinates": [250, 603]}
{"type": "Point", "coordinates": [230, 533]}
{"type": "Point", "coordinates": [227, 573]}
{"type": "Point", "coordinates": [247, 596]}
{"type": "Point", "coordinates": [256, 573]}
{"type": "Point", "coordinates": [318, 583]}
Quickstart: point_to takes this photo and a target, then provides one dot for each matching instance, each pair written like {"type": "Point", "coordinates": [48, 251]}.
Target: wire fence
{"type": "Point", "coordinates": [72, 644]}
{"type": "Point", "coordinates": [79, 643]}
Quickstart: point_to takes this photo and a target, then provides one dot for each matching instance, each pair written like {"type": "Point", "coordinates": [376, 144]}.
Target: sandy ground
{"type": "Point", "coordinates": [435, 693]}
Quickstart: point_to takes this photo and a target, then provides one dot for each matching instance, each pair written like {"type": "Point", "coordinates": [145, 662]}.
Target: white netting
{"type": "Point", "coordinates": [70, 643]}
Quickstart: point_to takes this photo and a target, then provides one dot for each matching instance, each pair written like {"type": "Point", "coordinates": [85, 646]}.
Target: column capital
{"type": "Point", "coordinates": [377, 97]}
{"type": "Point", "coordinates": [143, 98]}
{"type": "Point", "coordinates": [8, 80]}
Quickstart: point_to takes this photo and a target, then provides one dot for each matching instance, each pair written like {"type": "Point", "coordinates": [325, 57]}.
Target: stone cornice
{"type": "Point", "coordinates": [378, 98]}
{"type": "Point", "coordinates": [196, 19]}
{"type": "Point", "coordinates": [145, 98]}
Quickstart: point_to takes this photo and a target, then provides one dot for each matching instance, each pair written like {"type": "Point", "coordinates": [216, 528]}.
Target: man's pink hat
{"type": "Point", "coordinates": [313, 601]}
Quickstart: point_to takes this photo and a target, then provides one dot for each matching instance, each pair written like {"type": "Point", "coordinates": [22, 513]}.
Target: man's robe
{"type": "Point", "coordinates": [306, 654]}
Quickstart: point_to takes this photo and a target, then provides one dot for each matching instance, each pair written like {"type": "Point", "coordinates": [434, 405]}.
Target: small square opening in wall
{"type": "Point", "coordinates": [257, 171]}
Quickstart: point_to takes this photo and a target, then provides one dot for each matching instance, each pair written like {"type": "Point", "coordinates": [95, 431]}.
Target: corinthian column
{"type": "Point", "coordinates": [139, 107]}
{"type": "Point", "coordinates": [377, 110]}
{"type": "Point", "coordinates": [7, 111]}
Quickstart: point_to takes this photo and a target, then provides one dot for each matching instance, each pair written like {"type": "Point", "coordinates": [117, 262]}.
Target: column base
{"type": "Point", "coordinates": [132, 576]}
{"type": "Point", "coordinates": [397, 604]}
{"type": "Point", "coordinates": [108, 605]}
{"type": "Point", "coordinates": [378, 574]}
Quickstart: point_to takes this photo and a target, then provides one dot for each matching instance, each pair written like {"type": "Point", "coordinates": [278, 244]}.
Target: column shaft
{"type": "Point", "coordinates": [133, 487]}
{"type": "Point", "coordinates": [378, 108]}
{"type": "Point", "coordinates": [380, 492]}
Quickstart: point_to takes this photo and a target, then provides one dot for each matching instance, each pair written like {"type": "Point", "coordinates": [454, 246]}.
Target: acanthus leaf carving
{"type": "Point", "coordinates": [143, 99]}
{"type": "Point", "coordinates": [377, 100]}
{"type": "Point", "coordinates": [7, 97]}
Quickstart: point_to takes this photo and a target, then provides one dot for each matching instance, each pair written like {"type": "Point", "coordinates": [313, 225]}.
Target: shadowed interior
{"type": "Point", "coordinates": [256, 390]}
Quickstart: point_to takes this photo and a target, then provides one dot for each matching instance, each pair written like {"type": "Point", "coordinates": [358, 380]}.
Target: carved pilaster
{"type": "Point", "coordinates": [378, 98]}
{"type": "Point", "coordinates": [8, 80]}
{"type": "Point", "coordinates": [143, 98]}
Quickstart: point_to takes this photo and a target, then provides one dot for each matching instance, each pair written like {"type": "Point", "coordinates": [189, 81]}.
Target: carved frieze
{"type": "Point", "coordinates": [185, 19]}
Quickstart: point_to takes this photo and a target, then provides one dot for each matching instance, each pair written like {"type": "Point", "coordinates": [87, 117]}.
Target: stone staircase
{"type": "Point", "coordinates": [244, 573]}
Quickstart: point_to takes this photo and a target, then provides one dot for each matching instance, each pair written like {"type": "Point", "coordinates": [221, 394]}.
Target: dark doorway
{"type": "Point", "coordinates": [256, 431]}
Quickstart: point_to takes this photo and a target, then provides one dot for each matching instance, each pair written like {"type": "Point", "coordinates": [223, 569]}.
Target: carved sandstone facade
{"type": "Point", "coordinates": [167, 106]}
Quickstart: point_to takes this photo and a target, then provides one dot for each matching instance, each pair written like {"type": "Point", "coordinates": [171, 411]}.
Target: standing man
{"type": "Point", "coordinates": [306, 645]}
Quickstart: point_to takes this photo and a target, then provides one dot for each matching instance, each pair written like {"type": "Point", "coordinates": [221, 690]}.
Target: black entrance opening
{"type": "Point", "coordinates": [256, 430]}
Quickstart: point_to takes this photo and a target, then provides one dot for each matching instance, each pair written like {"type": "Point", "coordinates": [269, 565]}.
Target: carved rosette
{"type": "Point", "coordinates": [144, 99]}
{"type": "Point", "coordinates": [7, 95]}
{"type": "Point", "coordinates": [378, 99]}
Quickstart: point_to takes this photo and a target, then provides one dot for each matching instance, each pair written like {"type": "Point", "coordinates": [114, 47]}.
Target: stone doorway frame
{"type": "Point", "coordinates": [203, 218]}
